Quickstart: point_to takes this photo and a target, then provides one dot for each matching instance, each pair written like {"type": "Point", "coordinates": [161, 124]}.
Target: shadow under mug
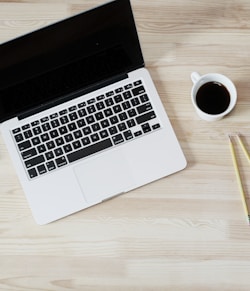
{"type": "Point", "coordinates": [210, 89]}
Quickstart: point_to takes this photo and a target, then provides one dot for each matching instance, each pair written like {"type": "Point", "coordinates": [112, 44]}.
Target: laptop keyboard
{"type": "Point", "coordinates": [108, 120]}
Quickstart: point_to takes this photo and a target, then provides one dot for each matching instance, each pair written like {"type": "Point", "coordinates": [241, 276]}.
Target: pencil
{"type": "Point", "coordinates": [243, 147]}
{"type": "Point", "coordinates": [236, 168]}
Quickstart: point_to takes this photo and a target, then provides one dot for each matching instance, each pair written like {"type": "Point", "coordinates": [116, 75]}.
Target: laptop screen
{"type": "Point", "coordinates": [68, 56]}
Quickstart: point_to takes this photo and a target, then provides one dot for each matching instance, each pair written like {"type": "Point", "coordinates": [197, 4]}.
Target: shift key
{"type": "Point", "coordinates": [34, 161]}
{"type": "Point", "coordinates": [145, 117]}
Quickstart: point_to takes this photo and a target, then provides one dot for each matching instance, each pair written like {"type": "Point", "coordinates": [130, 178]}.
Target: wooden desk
{"type": "Point", "coordinates": [185, 232]}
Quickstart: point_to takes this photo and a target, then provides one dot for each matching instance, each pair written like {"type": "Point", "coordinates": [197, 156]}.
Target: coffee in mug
{"type": "Point", "coordinates": [213, 95]}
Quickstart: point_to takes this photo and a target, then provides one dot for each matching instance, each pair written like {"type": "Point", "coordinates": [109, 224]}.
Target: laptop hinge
{"type": "Point", "coordinates": [72, 95]}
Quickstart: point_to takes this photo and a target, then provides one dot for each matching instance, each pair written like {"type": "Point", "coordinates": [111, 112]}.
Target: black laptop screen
{"type": "Point", "coordinates": [68, 56]}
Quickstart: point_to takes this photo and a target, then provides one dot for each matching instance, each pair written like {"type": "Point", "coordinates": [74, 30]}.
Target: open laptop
{"type": "Point", "coordinates": [80, 115]}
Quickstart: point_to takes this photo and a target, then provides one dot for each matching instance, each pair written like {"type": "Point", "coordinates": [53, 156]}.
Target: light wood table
{"type": "Point", "coordinates": [184, 232]}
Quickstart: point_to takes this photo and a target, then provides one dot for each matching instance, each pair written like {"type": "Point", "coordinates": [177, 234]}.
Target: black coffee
{"type": "Point", "coordinates": [213, 98]}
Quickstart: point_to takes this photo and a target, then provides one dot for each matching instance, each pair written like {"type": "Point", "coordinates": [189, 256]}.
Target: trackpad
{"type": "Point", "coordinates": [104, 176]}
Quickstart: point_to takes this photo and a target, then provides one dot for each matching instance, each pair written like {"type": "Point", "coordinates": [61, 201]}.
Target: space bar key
{"type": "Point", "coordinates": [84, 152]}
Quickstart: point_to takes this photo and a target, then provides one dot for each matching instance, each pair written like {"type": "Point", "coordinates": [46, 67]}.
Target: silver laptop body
{"type": "Point", "coordinates": [88, 123]}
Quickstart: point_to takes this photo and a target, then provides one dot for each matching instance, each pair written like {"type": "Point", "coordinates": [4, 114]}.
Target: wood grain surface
{"type": "Point", "coordinates": [185, 232]}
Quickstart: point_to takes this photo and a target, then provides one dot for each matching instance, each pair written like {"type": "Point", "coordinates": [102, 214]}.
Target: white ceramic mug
{"type": "Point", "coordinates": [199, 82]}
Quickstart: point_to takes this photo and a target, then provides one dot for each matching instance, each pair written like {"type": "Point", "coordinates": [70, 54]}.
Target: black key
{"type": "Point", "coordinates": [113, 130]}
{"type": "Point", "coordinates": [126, 105]}
{"type": "Point", "coordinates": [46, 126]}
{"type": "Point", "coordinates": [105, 123]}
{"type": "Point", "coordinates": [94, 137]}
{"type": "Point", "coordinates": [138, 90]}
{"type": "Point", "coordinates": [37, 130]}
{"type": "Point", "coordinates": [41, 169]}
{"type": "Point", "coordinates": [36, 140]}
{"type": "Point", "coordinates": [29, 153]}
{"type": "Point", "coordinates": [117, 138]}
{"type": "Point", "coordinates": [137, 83]}
{"type": "Point", "coordinates": [73, 116]}
{"type": "Point", "coordinates": [100, 97]}
{"type": "Point", "coordinates": [109, 102]}
{"type": "Point", "coordinates": [145, 117]}
{"type": "Point", "coordinates": [86, 130]}
{"type": "Point", "coordinates": [135, 101]}
{"type": "Point", "coordinates": [131, 123]}
{"type": "Point", "coordinates": [118, 98]}
{"type": "Point", "coordinates": [108, 112]}
{"type": "Point", "coordinates": [91, 109]}
{"type": "Point", "coordinates": [26, 126]}
{"type": "Point", "coordinates": [90, 119]}
{"type": "Point", "coordinates": [44, 119]}
{"type": "Point", "coordinates": [82, 112]}
{"type": "Point", "coordinates": [67, 148]}
{"type": "Point", "coordinates": [99, 116]}
{"type": "Point", "coordinates": [54, 115]}
{"type": "Point", "coordinates": [61, 161]}
{"type": "Point", "coordinates": [91, 101]}
{"type": "Point", "coordinates": [76, 144]}
{"type": "Point", "coordinates": [72, 108]}
{"type": "Point", "coordinates": [104, 133]}
{"type": "Point", "coordinates": [63, 129]}
{"type": "Point", "coordinates": [24, 145]}
{"type": "Point", "coordinates": [144, 108]}
{"type": "Point", "coordinates": [64, 119]}
{"type": "Point", "coordinates": [144, 98]}
{"type": "Point", "coordinates": [32, 173]}
{"type": "Point", "coordinates": [34, 161]}
{"type": "Point", "coordinates": [50, 165]}
{"type": "Point", "coordinates": [58, 152]}
{"type": "Point", "coordinates": [54, 133]}
{"type": "Point", "coordinates": [81, 123]}
{"type": "Point", "coordinates": [122, 126]}
{"type": "Point", "coordinates": [111, 93]}
{"type": "Point", "coordinates": [146, 127]}
{"type": "Point", "coordinates": [138, 133]}
{"type": "Point", "coordinates": [16, 130]}
{"type": "Point", "coordinates": [18, 137]}
{"type": "Point", "coordinates": [96, 127]}
{"type": "Point", "coordinates": [128, 86]}
{"type": "Point", "coordinates": [59, 141]}
{"type": "Point", "coordinates": [77, 134]}
{"type": "Point", "coordinates": [100, 105]}
{"type": "Point", "coordinates": [72, 126]}
{"type": "Point", "coordinates": [85, 141]}
{"type": "Point", "coordinates": [68, 137]}
{"type": "Point", "coordinates": [119, 90]}
{"type": "Point", "coordinates": [49, 155]}
{"type": "Point", "coordinates": [99, 146]}
{"type": "Point", "coordinates": [155, 126]}
{"type": "Point", "coordinates": [131, 112]}
{"type": "Point", "coordinates": [34, 123]}
{"type": "Point", "coordinates": [128, 134]}
{"type": "Point", "coordinates": [117, 108]}
{"type": "Point", "coordinates": [62, 112]}
{"type": "Point", "coordinates": [113, 120]}
{"type": "Point", "coordinates": [123, 116]}
{"type": "Point", "coordinates": [50, 145]}
{"type": "Point", "coordinates": [127, 95]}
{"type": "Point", "coordinates": [82, 104]}
{"type": "Point", "coordinates": [41, 148]}
{"type": "Point", "coordinates": [45, 137]}
{"type": "Point", "coordinates": [28, 133]}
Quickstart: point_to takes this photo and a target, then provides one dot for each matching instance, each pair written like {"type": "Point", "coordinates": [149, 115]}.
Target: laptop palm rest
{"type": "Point", "coordinates": [103, 177]}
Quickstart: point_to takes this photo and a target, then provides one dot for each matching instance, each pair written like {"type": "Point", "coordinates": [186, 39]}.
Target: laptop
{"type": "Point", "coordinates": [80, 115]}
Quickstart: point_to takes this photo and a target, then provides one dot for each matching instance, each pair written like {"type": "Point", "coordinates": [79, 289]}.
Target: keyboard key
{"type": "Point", "coordinates": [41, 148]}
{"type": "Point", "coordinates": [117, 138]}
{"type": "Point", "coordinates": [85, 141]}
{"type": "Point", "coordinates": [89, 150]}
{"type": "Point", "coordinates": [36, 141]}
{"type": "Point", "coordinates": [146, 127]}
{"type": "Point", "coordinates": [67, 148]}
{"type": "Point", "coordinates": [61, 161]}
{"type": "Point", "coordinates": [44, 137]}
{"type": "Point", "coordinates": [128, 134]}
{"type": "Point", "coordinates": [155, 126]}
{"type": "Point", "coordinates": [41, 169]}
{"type": "Point", "coordinates": [18, 137]}
{"type": "Point", "coordinates": [50, 165]}
{"type": "Point", "coordinates": [29, 153]}
{"type": "Point", "coordinates": [144, 108]}
{"type": "Point", "coordinates": [34, 161]}
{"type": "Point", "coordinates": [138, 90]}
{"type": "Point", "coordinates": [49, 155]}
{"type": "Point", "coordinates": [55, 123]}
{"type": "Point", "coordinates": [27, 134]}
{"type": "Point", "coordinates": [145, 117]}
{"type": "Point", "coordinates": [32, 173]}
{"type": "Point", "coordinates": [16, 130]}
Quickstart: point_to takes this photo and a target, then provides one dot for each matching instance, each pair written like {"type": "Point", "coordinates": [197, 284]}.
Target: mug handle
{"type": "Point", "coordinates": [195, 77]}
